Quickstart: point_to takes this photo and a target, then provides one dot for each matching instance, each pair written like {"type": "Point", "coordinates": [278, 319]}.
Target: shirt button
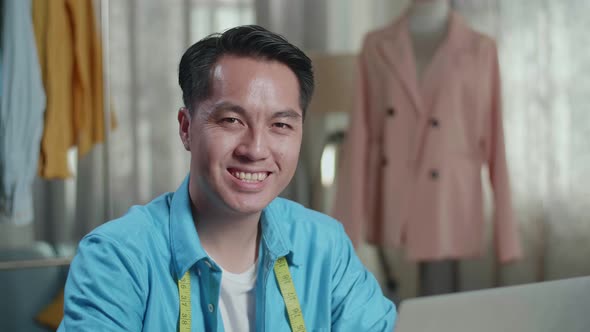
{"type": "Point", "coordinates": [391, 111]}
{"type": "Point", "coordinates": [434, 174]}
{"type": "Point", "coordinates": [434, 122]}
{"type": "Point", "coordinates": [199, 272]}
{"type": "Point", "coordinates": [211, 308]}
{"type": "Point", "coordinates": [383, 162]}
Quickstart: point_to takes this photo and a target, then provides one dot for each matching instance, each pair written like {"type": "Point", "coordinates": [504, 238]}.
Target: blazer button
{"type": "Point", "coordinates": [434, 174]}
{"type": "Point", "coordinates": [391, 111]}
{"type": "Point", "coordinates": [434, 122]}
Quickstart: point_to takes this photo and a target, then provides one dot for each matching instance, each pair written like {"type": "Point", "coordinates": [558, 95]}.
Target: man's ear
{"type": "Point", "coordinates": [184, 125]}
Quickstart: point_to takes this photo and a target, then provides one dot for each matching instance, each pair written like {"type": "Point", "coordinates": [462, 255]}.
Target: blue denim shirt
{"type": "Point", "coordinates": [124, 276]}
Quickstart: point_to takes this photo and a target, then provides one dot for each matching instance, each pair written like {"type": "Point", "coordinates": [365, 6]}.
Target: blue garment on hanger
{"type": "Point", "coordinates": [22, 103]}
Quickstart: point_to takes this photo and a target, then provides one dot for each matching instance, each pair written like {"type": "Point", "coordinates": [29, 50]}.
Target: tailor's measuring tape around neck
{"type": "Point", "coordinates": [289, 295]}
{"type": "Point", "coordinates": [286, 287]}
{"type": "Point", "coordinates": [184, 290]}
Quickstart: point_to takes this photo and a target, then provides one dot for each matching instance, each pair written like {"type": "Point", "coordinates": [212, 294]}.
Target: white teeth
{"type": "Point", "coordinates": [250, 177]}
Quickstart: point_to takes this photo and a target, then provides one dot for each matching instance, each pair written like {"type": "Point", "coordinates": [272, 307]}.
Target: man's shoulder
{"type": "Point", "coordinates": [298, 216]}
{"type": "Point", "coordinates": [141, 224]}
{"type": "Point", "coordinates": [308, 232]}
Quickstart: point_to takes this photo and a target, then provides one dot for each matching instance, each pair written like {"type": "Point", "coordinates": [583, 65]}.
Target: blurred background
{"type": "Point", "coordinates": [544, 55]}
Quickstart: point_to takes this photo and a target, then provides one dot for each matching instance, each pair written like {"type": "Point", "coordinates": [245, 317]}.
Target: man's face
{"type": "Point", "coordinates": [245, 138]}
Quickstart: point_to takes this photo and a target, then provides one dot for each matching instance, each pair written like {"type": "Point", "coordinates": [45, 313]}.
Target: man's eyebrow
{"type": "Point", "coordinates": [228, 106]}
{"type": "Point", "coordinates": [288, 113]}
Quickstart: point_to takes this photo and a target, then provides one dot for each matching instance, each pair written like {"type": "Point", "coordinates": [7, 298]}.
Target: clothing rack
{"type": "Point", "coordinates": [35, 263]}
{"type": "Point", "coordinates": [108, 207]}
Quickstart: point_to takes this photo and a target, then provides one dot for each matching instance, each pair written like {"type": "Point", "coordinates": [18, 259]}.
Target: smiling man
{"type": "Point", "coordinates": [223, 252]}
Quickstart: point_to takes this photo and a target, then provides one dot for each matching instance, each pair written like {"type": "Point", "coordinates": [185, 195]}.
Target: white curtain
{"type": "Point", "coordinates": [146, 40]}
{"type": "Point", "coordinates": [545, 57]}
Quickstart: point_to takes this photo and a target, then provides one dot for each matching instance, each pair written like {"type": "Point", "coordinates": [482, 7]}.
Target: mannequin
{"type": "Point", "coordinates": [428, 22]}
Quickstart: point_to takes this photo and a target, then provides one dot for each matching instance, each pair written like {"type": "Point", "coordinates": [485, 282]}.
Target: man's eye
{"type": "Point", "coordinates": [230, 120]}
{"type": "Point", "coordinates": [282, 125]}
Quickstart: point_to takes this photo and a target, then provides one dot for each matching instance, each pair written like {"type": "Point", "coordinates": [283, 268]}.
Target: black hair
{"type": "Point", "coordinates": [195, 69]}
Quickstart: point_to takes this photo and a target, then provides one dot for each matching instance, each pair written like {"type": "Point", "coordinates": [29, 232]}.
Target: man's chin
{"type": "Point", "coordinates": [248, 205]}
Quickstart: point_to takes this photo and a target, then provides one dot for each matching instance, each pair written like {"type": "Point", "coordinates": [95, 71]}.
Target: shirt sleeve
{"type": "Point", "coordinates": [358, 303]}
{"type": "Point", "coordinates": [105, 290]}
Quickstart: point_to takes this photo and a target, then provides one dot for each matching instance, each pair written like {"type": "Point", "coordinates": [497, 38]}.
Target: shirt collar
{"type": "Point", "coordinates": [275, 232]}
{"type": "Point", "coordinates": [185, 243]}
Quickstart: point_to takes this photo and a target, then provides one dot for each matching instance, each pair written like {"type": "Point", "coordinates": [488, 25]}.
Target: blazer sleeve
{"type": "Point", "coordinates": [105, 290]}
{"type": "Point", "coordinates": [350, 206]}
{"type": "Point", "coordinates": [506, 235]}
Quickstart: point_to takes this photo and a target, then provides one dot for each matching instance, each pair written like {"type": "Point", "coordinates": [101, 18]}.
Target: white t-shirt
{"type": "Point", "coordinates": [237, 301]}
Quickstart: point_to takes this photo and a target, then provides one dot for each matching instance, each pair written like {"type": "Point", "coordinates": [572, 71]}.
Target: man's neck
{"type": "Point", "coordinates": [232, 241]}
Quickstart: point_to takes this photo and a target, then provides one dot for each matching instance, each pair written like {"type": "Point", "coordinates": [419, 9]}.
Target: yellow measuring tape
{"type": "Point", "coordinates": [289, 295]}
{"type": "Point", "coordinates": [285, 285]}
{"type": "Point", "coordinates": [184, 289]}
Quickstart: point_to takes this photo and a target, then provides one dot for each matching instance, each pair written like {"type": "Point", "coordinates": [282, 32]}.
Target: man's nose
{"type": "Point", "coordinates": [254, 145]}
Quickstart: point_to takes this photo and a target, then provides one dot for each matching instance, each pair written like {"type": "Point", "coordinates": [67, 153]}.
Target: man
{"type": "Point", "coordinates": [223, 252]}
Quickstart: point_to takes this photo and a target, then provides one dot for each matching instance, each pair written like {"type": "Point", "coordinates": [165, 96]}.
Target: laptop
{"type": "Point", "coordinates": [552, 306]}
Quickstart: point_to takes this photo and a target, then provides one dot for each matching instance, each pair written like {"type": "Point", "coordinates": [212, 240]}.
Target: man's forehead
{"type": "Point", "coordinates": [236, 79]}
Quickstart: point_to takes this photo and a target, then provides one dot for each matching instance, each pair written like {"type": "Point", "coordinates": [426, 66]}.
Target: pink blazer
{"type": "Point", "coordinates": [411, 168]}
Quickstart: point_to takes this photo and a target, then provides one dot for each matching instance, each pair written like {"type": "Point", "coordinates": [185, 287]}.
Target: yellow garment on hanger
{"type": "Point", "coordinates": [70, 53]}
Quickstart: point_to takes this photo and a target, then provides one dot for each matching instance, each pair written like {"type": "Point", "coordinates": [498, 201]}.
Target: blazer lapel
{"type": "Point", "coordinates": [441, 73]}
{"type": "Point", "coordinates": [445, 62]}
{"type": "Point", "coordinates": [399, 54]}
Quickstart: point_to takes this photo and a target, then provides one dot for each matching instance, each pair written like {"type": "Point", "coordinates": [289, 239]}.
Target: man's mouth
{"type": "Point", "coordinates": [248, 176]}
